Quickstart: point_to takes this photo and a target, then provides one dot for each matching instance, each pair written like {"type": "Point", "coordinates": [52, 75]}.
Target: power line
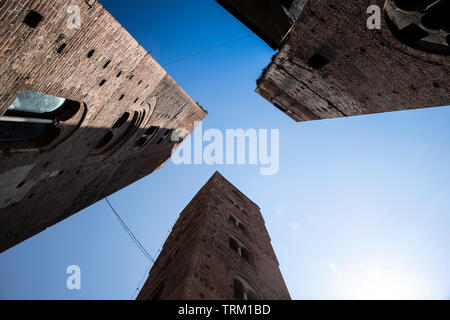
{"type": "Point", "coordinates": [122, 223]}
{"type": "Point", "coordinates": [130, 233]}
{"type": "Point", "coordinates": [149, 267]}
{"type": "Point", "coordinates": [206, 50]}
{"type": "Point", "coordinates": [138, 244]}
{"type": "Point", "coordinates": [140, 282]}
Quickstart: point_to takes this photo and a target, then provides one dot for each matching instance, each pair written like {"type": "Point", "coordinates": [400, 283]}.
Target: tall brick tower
{"type": "Point", "coordinates": [331, 64]}
{"type": "Point", "coordinates": [218, 249]}
{"type": "Point", "coordinates": [84, 112]}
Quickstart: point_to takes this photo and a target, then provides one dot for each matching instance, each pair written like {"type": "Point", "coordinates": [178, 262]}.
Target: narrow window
{"type": "Point", "coordinates": [147, 136]}
{"type": "Point", "coordinates": [119, 132]}
{"type": "Point", "coordinates": [33, 19]}
{"type": "Point", "coordinates": [234, 245]}
{"type": "Point", "coordinates": [151, 131]}
{"type": "Point", "coordinates": [317, 61]}
{"type": "Point", "coordinates": [238, 290]}
{"type": "Point", "coordinates": [120, 122]}
{"type": "Point", "coordinates": [61, 48]}
{"type": "Point", "coordinates": [245, 255]}
{"type": "Point", "coordinates": [105, 140]}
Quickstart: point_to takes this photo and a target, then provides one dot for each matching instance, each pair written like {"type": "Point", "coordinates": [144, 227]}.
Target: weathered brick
{"type": "Point", "coordinates": [196, 261]}
{"type": "Point", "coordinates": [331, 65]}
{"type": "Point", "coordinates": [63, 178]}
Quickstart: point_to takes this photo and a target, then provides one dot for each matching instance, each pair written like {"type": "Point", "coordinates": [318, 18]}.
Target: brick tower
{"type": "Point", "coordinates": [219, 249]}
{"type": "Point", "coordinates": [84, 112]}
{"type": "Point", "coordinates": [329, 64]}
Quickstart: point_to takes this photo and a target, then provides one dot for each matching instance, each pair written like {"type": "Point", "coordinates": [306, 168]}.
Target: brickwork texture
{"type": "Point", "coordinates": [102, 67]}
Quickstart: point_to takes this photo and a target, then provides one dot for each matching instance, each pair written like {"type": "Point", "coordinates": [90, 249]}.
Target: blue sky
{"type": "Point", "coordinates": [359, 209]}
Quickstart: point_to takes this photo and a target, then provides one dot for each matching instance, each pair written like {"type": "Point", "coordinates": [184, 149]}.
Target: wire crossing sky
{"type": "Point", "coordinates": [360, 207]}
{"type": "Point", "coordinates": [130, 233]}
{"type": "Point", "coordinates": [205, 50]}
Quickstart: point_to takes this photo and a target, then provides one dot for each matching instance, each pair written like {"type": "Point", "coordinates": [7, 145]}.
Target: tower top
{"type": "Point", "coordinates": [218, 249]}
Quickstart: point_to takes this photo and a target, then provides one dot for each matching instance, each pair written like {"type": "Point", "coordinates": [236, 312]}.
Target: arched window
{"type": "Point", "coordinates": [238, 224]}
{"type": "Point", "coordinates": [240, 249]}
{"type": "Point", "coordinates": [243, 291]}
{"type": "Point", "coordinates": [122, 129]}
{"type": "Point", "coordinates": [36, 120]}
{"type": "Point", "coordinates": [234, 245]}
{"type": "Point", "coordinates": [147, 136]}
{"type": "Point", "coordinates": [121, 121]}
{"type": "Point", "coordinates": [35, 102]}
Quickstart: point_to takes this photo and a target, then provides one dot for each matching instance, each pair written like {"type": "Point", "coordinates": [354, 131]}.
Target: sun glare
{"type": "Point", "coordinates": [377, 283]}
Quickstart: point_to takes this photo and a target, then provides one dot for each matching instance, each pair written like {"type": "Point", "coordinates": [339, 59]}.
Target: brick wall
{"type": "Point", "coordinates": [102, 66]}
{"type": "Point", "coordinates": [331, 65]}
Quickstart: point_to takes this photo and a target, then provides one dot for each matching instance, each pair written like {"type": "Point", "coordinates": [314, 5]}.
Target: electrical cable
{"type": "Point", "coordinates": [140, 282]}
{"type": "Point", "coordinates": [206, 50]}
{"type": "Point", "coordinates": [137, 242]}
{"type": "Point", "coordinates": [130, 233]}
